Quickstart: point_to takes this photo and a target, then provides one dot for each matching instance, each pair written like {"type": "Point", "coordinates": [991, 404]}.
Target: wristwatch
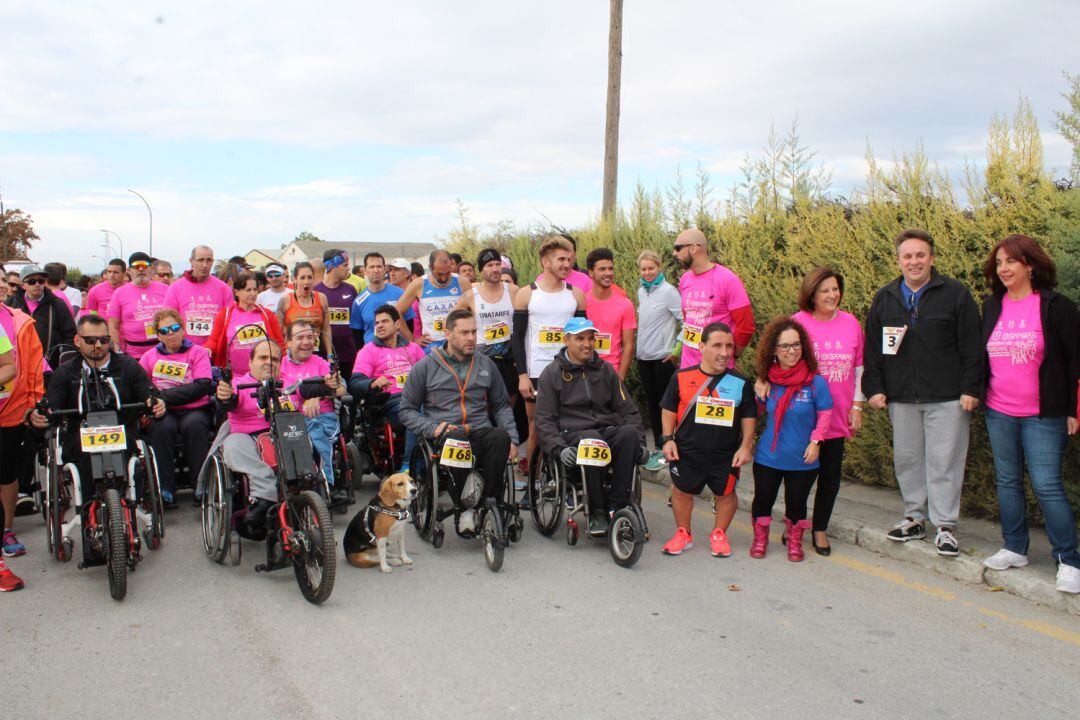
{"type": "Point", "coordinates": [666, 438]}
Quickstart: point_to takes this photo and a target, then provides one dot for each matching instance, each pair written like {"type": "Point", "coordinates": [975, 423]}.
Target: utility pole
{"type": "Point", "coordinates": [611, 129]}
{"type": "Point", "coordinates": [151, 251]}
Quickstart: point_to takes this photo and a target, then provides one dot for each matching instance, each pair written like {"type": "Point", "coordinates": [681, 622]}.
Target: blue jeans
{"type": "Point", "coordinates": [392, 415]}
{"type": "Point", "coordinates": [323, 430]}
{"type": "Point", "coordinates": [1040, 442]}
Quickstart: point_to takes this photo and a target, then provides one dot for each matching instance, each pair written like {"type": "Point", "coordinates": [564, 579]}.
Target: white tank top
{"type": "Point", "coordinates": [548, 313]}
{"type": "Point", "coordinates": [494, 322]}
{"type": "Point", "coordinates": [435, 304]}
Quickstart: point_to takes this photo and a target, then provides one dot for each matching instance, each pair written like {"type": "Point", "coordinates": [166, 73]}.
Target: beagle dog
{"type": "Point", "coordinates": [376, 535]}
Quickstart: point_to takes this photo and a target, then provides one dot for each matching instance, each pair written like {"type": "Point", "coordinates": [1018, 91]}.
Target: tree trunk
{"type": "Point", "coordinates": [611, 131]}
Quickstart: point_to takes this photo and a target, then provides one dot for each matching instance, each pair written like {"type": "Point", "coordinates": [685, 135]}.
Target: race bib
{"type": "Point", "coordinates": [103, 439]}
{"type": "Point", "coordinates": [603, 343]}
{"type": "Point", "coordinates": [456, 453]}
{"type": "Point", "coordinates": [339, 316]}
{"type": "Point", "coordinates": [250, 334]}
{"type": "Point", "coordinates": [5, 390]}
{"type": "Point", "coordinates": [714, 411]}
{"type": "Point", "coordinates": [549, 336]}
{"type": "Point", "coordinates": [400, 379]}
{"type": "Point", "coordinates": [167, 370]}
{"type": "Point", "coordinates": [691, 335]}
{"type": "Point", "coordinates": [891, 337]}
{"type": "Point", "coordinates": [287, 404]}
{"type": "Point", "coordinates": [150, 328]}
{"type": "Point", "coordinates": [593, 451]}
{"type": "Point", "coordinates": [439, 324]}
{"type": "Point", "coordinates": [496, 332]}
{"type": "Point", "coordinates": [198, 325]}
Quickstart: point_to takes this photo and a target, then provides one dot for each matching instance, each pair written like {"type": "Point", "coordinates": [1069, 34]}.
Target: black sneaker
{"type": "Point", "coordinates": [907, 529]}
{"type": "Point", "coordinates": [599, 523]}
{"type": "Point", "coordinates": [946, 543]}
{"type": "Point", "coordinates": [25, 505]}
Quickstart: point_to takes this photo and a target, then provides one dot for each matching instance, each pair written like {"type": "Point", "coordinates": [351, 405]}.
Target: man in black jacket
{"type": "Point", "coordinates": [52, 317]}
{"type": "Point", "coordinates": [924, 362]}
{"type": "Point", "coordinates": [581, 396]}
{"type": "Point", "coordinates": [100, 377]}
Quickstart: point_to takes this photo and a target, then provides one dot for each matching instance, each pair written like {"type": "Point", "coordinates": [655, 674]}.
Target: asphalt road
{"type": "Point", "coordinates": [560, 632]}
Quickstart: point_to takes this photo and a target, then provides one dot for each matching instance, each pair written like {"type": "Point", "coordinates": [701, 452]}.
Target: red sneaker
{"type": "Point", "coordinates": [718, 543]}
{"type": "Point", "coordinates": [678, 543]}
{"type": "Point", "coordinates": [9, 581]}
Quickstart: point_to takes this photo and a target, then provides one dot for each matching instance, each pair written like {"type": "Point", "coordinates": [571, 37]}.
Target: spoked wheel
{"type": "Point", "coordinates": [422, 473]}
{"type": "Point", "coordinates": [54, 511]}
{"type": "Point", "coordinates": [546, 490]}
{"type": "Point", "coordinates": [151, 499]}
{"type": "Point", "coordinates": [116, 551]}
{"type": "Point", "coordinates": [491, 530]}
{"type": "Point", "coordinates": [626, 537]}
{"type": "Point", "coordinates": [217, 508]}
{"type": "Point", "coordinates": [316, 565]}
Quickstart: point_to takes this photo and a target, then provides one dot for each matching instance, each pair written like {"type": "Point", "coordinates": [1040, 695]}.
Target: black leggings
{"type": "Point", "coordinates": [655, 376]}
{"type": "Point", "coordinates": [828, 483]}
{"type": "Point", "coordinates": [797, 484]}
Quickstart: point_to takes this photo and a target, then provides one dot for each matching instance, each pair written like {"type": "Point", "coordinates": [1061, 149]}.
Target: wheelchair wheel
{"type": "Point", "coordinates": [626, 537]}
{"type": "Point", "coordinates": [494, 540]}
{"type": "Point", "coordinates": [151, 498]}
{"type": "Point", "coordinates": [54, 511]}
{"type": "Point", "coordinates": [425, 504]}
{"type": "Point", "coordinates": [217, 509]}
{"type": "Point", "coordinates": [316, 565]}
{"type": "Point", "coordinates": [116, 553]}
{"type": "Point", "coordinates": [546, 489]}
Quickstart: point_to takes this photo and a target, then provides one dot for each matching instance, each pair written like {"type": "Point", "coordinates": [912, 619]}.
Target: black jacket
{"type": "Point", "coordinates": [581, 397]}
{"type": "Point", "coordinates": [1060, 368]}
{"type": "Point", "coordinates": [940, 357]}
{"type": "Point", "coordinates": [52, 319]}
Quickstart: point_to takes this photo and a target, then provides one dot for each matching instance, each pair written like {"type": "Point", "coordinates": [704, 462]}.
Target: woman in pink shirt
{"type": "Point", "coordinates": [240, 325]}
{"type": "Point", "coordinates": [1031, 367]}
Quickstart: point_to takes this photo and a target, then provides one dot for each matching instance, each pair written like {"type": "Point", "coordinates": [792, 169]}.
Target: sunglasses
{"type": "Point", "coordinates": [96, 339]}
{"type": "Point", "coordinates": [169, 329]}
{"type": "Point", "coordinates": [139, 265]}
{"type": "Point", "coordinates": [34, 281]}
{"type": "Point", "coordinates": [13, 286]}
{"type": "Point", "coordinates": [168, 275]}
{"type": "Point", "coordinates": [679, 248]}
{"type": "Point", "coordinates": [274, 274]}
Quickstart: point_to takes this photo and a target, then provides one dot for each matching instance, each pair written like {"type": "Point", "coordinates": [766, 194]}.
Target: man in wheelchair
{"type": "Point", "coordinates": [97, 379]}
{"type": "Point", "coordinates": [239, 450]}
{"type": "Point", "coordinates": [449, 394]}
{"type": "Point", "coordinates": [581, 396]}
{"type": "Point", "coordinates": [383, 366]}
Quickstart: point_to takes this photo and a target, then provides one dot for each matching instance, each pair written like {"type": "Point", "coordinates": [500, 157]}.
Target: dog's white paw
{"type": "Point", "coordinates": [386, 568]}
{"type": "Point", "coordinates": [396, 562]}
{"type": "Point", "coordinates": [406, 561]}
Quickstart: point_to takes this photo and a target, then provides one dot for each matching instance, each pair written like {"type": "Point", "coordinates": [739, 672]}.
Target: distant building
{"type": "Point", "coordinates": [259, 258]}
{"type": "Point", "coordinates": [306, 250]}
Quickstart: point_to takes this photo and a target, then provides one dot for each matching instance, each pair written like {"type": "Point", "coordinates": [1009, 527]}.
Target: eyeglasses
{"type": "Point", "coordinates": [789, 347]}
{"type": "Point", "coordinates": [139, 265]}
{"type": "Point", "coordinates": [161, 274]}
{"type": "Point", "coordinates": [34, 281]}
{"type": "Point", "coordinates": [169, 329]}
{"type": "Point", "coordinates": [274, 273]}
{"type": "Point", "coordinates": [96, 339]}
{"type": "Point", "coordinates": [679, 248]}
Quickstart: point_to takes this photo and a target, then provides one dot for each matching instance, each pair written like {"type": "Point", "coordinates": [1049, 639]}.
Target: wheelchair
{"type": "Point", "coordinates": [499, 522]}
{"type": "Point", "coordinates": [555, 488]}
{"type": "Point", "coordinates": [346, 455]}
{"type": "Point", "coordinates": [110, 519]}
{"type": "Point", "coordinates": [300, 532]}
{"type": "Point", "coordinates": [379, 446]}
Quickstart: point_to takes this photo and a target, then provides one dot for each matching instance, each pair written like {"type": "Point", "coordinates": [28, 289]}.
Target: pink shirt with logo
{"type": "Point", "coordinates": [707, 298]}
{"type": "Point", "coordinates": [611, 317]}
{"type": "Point", "coordinates": [169, 370]}
{"type": "Point", "coordinates": [247, 417]}
{"type": "Point", "coordinates": [198, 304]}
{"type": "Point", "coordinates": [98, 298]}
{"type": "Point", "coordinates": [134, 307]}
{"type": "Point", "coordinates": [376, 361]}
{"type": "Point", "coordinates": [838, 347]}
{"type": "Point", "coordinates": [292, 373]}
{"type": "Point", "coordinates": [241, 344]}
{"type": "Point", "coordinates": [1016, 348]}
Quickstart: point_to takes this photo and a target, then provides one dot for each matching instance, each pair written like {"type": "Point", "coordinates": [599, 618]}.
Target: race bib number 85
{"type": "Point", "coordinates": [550, 335]}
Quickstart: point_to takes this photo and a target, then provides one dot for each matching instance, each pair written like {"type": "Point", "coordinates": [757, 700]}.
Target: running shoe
{"type": "Point", "coordinates": [680, 542]}
{"type": "Point", "coordinates": [25, 505]}
{"type": "Point", "coordinates": [1068, 579]}
{"type": "Point", "coordinates": [1004, 559]}
{"type": "Point", "coordinates": [907, 529]}
{"type": "Point", "coordinates": [12, 546]}
{"type": "Point", "coordinates": [946, 544]}
{"type": "Point", "coordinates": [719, 544]}
{"type": "Point", "coordinates": [168, 501]}
{"type": "Point", "coordinates": [655, 462]}
{"type": "Point", "coordinates": [9, 581]}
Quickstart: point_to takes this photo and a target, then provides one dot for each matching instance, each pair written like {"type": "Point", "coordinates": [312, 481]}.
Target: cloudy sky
{"type": "Point", "coordinates": [245, 123]}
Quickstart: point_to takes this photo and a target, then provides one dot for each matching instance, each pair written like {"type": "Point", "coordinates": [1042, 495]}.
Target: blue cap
{"type": "Point", "coordinates": [577, 325]}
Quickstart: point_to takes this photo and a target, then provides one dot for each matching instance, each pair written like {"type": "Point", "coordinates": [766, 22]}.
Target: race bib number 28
{"type": "Point", "coordinates": [714, 411]}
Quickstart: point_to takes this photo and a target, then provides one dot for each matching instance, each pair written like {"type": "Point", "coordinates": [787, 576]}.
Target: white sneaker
{"type": "Point", "coordinates": [1068, 579]}
{"type": "Point", "coordinates": [467, 521]}
{"type": "Point", "coordinates": [1004, 559]}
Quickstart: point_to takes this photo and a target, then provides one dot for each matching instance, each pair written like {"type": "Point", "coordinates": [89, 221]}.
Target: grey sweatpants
{"type": "Point", "coordinates": [241, 455]}
{"type": "Point", "coordinates": [930, 444]}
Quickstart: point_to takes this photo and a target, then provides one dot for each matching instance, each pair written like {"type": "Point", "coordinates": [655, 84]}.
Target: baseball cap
{"type": "Point", "coordinates": [31, 269]}
{"type": "Point", "coordinates": [140, 257]}
{"type": "Point", "coordinates": [401, 263]}
{"type": "Point", "coordinates": [577, 325]}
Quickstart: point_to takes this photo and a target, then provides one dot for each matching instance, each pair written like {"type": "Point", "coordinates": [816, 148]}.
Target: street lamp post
{"type": "Point", "coordinates": [151, 220]}
{"type": "Point", "coordinates": [118, 239]}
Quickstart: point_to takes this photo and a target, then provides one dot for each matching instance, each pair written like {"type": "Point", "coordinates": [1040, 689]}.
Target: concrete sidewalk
{"type": "Point", "coordinates": [864, 514]}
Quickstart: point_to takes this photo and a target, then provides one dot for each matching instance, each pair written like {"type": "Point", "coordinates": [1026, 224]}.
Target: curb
{"type": "Point", "coordinates": [1026, 583]}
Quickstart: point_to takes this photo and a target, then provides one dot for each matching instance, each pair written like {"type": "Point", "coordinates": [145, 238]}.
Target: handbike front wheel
{"type": "Point", "coordinates": [315, 567]}
{"type": "Point", "coordinates": [116, 554]}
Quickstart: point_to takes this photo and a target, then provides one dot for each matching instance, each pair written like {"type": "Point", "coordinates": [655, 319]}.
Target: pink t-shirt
{"type": "Point", "coordinates": [707, 298]}
{"type": "Point", "coordinates": [376, 361]}
{"type": "Point", "coordinates": [241, 344]}
{"type": "Point", "coordinates": [838, 347]}
{"type": "Point", "coordinates": [292, 373]}
{"type": "Point", "coordinates": [199, 304]}
{"type": "Point", "coordinates": [247, 417]}
{"type": "Point", "coordinates": [67, 301]}
{"type": "Point", "coordinates": [134, 307]}
{"type": "Point", "coordinates": [175, 369]}
{"type": "Point", "coordinates": [98, 297]}
{"type": "Point", "coordinates": [1016, 348]}
{"type": "Point", "coordinates": [611, 317]}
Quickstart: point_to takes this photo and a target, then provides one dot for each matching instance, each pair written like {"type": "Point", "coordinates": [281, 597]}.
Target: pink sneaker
{"type": "Point", "coordinates": [678, 543]}
{"type": "Point", "coordinates": [9, 581]}
{"type": "Point", "coordinates": [718, 543]}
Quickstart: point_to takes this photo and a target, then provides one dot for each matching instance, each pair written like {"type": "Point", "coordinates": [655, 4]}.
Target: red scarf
{"type": "Point", "coordinates": [792, 380]}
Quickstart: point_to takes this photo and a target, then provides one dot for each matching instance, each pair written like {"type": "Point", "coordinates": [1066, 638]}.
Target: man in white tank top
{"type": "Point", "coordinates": [540, 312]}
{"type": "Point", "coordinates": [438, 293]}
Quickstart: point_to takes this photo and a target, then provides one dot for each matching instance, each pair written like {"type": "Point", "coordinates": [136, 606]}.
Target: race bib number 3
{"type": "Point", "coordinates": [456, 453]}
{"type": "Point", "coordinates": [102, 439]}
{"type": "Point", "coordinates": [593, 451]}
{"type": "Point", "coordinates": [691, 335]}
{"type": "Point", "coordinates": [603, 343]}
{"type": "Point", "coordinates": [891, 337]}
{"type": "Point", "coordinates": [439, 325]}
{"type": "Point", "coordinates": [339, 316]}
{"type": "Point", "coordinates": [198, 326]}
{"type": "Point", "coordinates": [496, 332]}
{"type": "Point", "coordinates": [549, 336]}
{"type": "Point", "coordinates": [715, 411]}
{"type": "Point", "coordinates": [166, 370]}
